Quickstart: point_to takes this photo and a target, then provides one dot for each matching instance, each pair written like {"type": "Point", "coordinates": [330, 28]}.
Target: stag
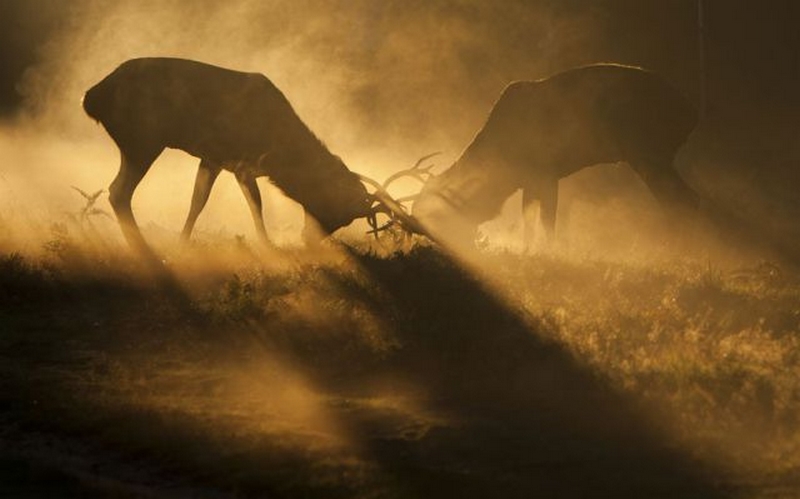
{"type": "Point", "coordinates": [231, 120]}
{"type": "Point", "coordinates": [541, 131]}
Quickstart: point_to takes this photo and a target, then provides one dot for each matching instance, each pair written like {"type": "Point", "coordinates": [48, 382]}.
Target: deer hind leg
{"type": "Point", "coordinates": [530, 216]}
{"type": "Point", "coordinates": [679, 201]}
{"type": "Point", "coordinates": [207, 173]}
{"type": "Point", "coordinates": [133, 167]}
{"type": "Point", "coordinates": [667, 186]}
{"type": "Point", "coordinates": [253, 197]}
{"type": "Point", "coordinates": [549, 205]}
{"type": "Point", "coordinates": [546, 191]}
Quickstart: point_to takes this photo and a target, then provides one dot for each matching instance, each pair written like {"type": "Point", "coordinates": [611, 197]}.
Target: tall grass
{"type": "Point", "coordinates": [321, 364]}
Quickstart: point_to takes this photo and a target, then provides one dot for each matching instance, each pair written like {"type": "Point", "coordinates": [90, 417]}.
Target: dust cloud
{"type": "Point", "coordinates": [351, 373]}
{"type": "Point", "coordinates": [381, 83]}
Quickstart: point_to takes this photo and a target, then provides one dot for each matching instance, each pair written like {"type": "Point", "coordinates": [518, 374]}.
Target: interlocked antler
{"type": "Point", "coordinates": [384, 203]}
{"type": "Point", "coordinates": [419, 172]}
{"type": "Point", "coordinates": [395, 208]}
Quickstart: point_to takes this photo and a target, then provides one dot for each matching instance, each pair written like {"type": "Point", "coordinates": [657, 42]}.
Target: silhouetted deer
{"type": "Point", "coordinates": [541, 131]}
{"type": "Point", "coordinates": [230, 120]}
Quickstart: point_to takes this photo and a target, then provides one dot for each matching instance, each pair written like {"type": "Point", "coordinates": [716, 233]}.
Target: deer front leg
{"type": "Point", "coordinates": [667, 186]}
{"type": "Point", "coordinates": [546, 192]}
{"type": "Point", "coordinates": [549, 205]}
{"type": "Point", "coordinates": [680, 203]}
{"type": "Point", "coordinates": [530, 217]}
{"type": "Point", "coordinates": [207, 173]}
{"type": "Point", "coordinates": [253, 197]}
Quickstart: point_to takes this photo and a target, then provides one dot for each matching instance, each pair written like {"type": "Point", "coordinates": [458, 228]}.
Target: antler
{"type": "Point", "coordinates": [384, 203]}
{"type": "Point", "coordinates": [394, 208]}
{"type": "Point", "coordinates": [423, 174]}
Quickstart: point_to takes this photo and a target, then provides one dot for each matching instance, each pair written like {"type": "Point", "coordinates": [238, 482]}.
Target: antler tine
{"type": "Point", "coordinates": [384, 203]}
{"type": "Point", "coordinates": [427, 156]}
{"type": "Point", "coordinates": [372, 218]}
{"type": "Point", "coordinates": [398, 213]}
{"type": "Point", "coordinates": [423, 174]}
{"type": "Point", "coordinates": [376, 230]}
{"type": "Point", "coordinates": [374, 183]}
{"type": "Point", "coordinates": [393, 208]}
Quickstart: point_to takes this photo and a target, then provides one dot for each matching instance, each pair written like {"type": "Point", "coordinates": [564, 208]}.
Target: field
{"type": "Point", "coordinates": [650, 351]}
{"type": "Point", "coordinates": [362, 371]}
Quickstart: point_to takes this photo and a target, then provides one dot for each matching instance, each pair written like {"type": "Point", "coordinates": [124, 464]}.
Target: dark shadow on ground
{"type": "Point", "coordinates": [521, 416]}
{"type": "Point", "coordinates": [530, 420]}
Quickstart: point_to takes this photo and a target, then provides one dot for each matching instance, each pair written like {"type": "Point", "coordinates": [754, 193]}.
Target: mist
{"type": "Point", "coordinates": [637, 355]}
{"type": "Point", "coordinates": [381, 84]}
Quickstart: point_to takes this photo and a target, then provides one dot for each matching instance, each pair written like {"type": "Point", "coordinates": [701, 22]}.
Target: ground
{"type": "Point", "coordinates": [233, 371]}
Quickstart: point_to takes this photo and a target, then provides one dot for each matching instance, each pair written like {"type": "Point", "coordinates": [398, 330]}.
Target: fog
{"type": "Point", "coordinates": [385, 83]}
{"type": "Point", "coordinates": [363, 369]}
{"type": "Point", "coordinates": [381, 83]}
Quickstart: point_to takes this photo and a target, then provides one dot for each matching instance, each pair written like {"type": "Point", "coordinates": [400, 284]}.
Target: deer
{"type": "Point", "coordinates": [540, 131]}
{"type": "Point", "coordinates": [236, 121]}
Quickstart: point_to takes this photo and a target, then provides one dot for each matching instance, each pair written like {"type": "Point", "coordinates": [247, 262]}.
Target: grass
{"type": "Point", "coordinates": [716, 349]}
{"type": "Point", "coordinates": [360, 374]}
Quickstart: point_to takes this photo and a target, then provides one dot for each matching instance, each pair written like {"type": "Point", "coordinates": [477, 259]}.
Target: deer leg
{"type": "Point", "coordinates": [253, 197]}
{"type": "Point", "coordinates": [679, 201]}
{"type": "Point", "coordinates": [207, 173]}
{"type": "Point", "coordinates": [548, 190]}
{"type": "Point", "coordinates": [666, 185]}
{"type": "Point", "coordinates": [530, 216]}
{"type": "Point", "coordinates": [132, 169]}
